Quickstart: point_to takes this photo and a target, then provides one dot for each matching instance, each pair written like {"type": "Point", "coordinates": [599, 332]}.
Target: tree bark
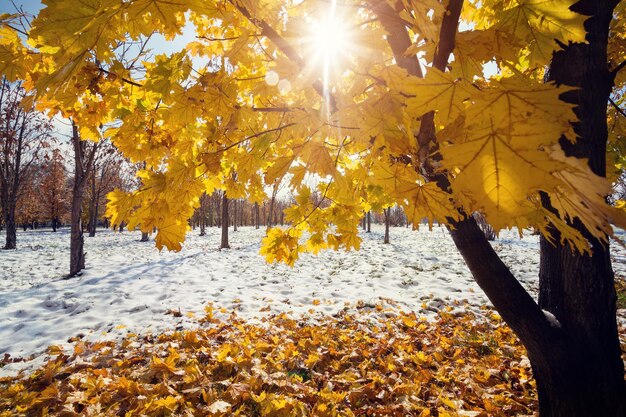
{"type": "Point", "coordinates": [92, 206]}
{"type": "Point", "coordinates": [83, 163]}
{"type": "Point", "coordinates": [256, 215]}
{"type": "Point", "coordinates": [77, 254]}
{"type": "Point", "coordinates": [576, 363]}
{"type": "Point", "coordinates": [386, 213]}
{"type": "Point", "coordinates": [235, 215]}
{"type": "Point", "coordinates": [369, 222]}
{"type": "Point", "coordinates": [224, 243]}
{"type": "Point", "coordinates": [203, 203]}
{"type": "Point", "coordinates": [576, 288]}
{"type": "Point", "coordinates": [11, 232]}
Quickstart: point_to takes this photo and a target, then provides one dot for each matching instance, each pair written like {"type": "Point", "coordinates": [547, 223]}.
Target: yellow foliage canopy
{"type": "Point", "coordinates": [255, 100]}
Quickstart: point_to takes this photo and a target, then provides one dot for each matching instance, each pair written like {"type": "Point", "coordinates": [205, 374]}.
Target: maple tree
{"type": "Point", "coordinates": [402, 107]}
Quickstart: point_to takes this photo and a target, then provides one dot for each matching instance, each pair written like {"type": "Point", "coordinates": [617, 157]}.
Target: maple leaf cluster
{"type": "Point", "coordinates": [367, 360]}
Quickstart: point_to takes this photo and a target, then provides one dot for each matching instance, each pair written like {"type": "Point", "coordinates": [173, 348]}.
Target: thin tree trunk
{"type": "Point", "coordinates": [256, 215]}
{"type": "Point", "coordinates": [77, 254]}
{"type": "Point", "coordinates": [386, 214]}
{"type": "Point", "coordinates": [9, 220]}
{"type": "Point", "coordinates": [203, 203]}
{"type": "Point", "coordinates": [369, 222]}
{"type": "Point", "coordinates": [224, 243]}
{"type": "Point", "coordinates": [271, 209]}
{"type": "Point", "coordinates": [95, 220]}
{"type": "Point", "coordinates": [83, 163]}
{"type": "Point", "coordinates": [92, 207]}
{"type": "Point", "coordinates": [234, 215]}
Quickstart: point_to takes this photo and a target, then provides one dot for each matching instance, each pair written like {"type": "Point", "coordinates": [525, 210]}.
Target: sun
{"type": "Point", "coordinates": [328, 45]}
{"type": "Point", "coordinates": [330, 38]}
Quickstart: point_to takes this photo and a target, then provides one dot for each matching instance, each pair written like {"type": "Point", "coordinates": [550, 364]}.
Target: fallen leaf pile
{"type": "Point", "coordinates": [373, 362]}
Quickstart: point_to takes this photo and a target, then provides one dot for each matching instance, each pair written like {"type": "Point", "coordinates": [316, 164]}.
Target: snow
{"type": "Point", "coordinates": [131, 287]}
{"type": "Point", "coordinates": [554, 322]}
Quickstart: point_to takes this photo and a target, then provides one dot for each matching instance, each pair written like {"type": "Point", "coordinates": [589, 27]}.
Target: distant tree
{"type": "Point", "coordinates": [54, 189]}
{"type": "Point", "coordinates": [23, 134]}
{"type": "Point", "coordinates": [104, 176]}
{"type": "Point", "coordinates": [28, 205]}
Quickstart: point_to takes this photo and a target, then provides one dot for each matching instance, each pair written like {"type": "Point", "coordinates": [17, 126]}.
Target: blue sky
{"type": "Point", "coordinates": [29, 6]}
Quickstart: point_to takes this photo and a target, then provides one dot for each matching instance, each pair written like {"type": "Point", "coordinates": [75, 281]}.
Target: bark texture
{"type": "Point", "coordinates": [224, 243]}
{"type": "Point", "coordinates": [83, 164]}
{"type": "Point", "coordinates": [579, 289]}
{"type": "Point", "coordinates": [576, 363]}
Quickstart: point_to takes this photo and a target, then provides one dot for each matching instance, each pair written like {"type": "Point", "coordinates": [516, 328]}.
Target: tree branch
{"type": "Point", "coordinates": [618, 68]}
{"type": "Point", "coordinates": [618, 108]}
{"type": "Point", "coordinates": [508, 296]}
{"type": "Point", "coordinates": [286, 48]}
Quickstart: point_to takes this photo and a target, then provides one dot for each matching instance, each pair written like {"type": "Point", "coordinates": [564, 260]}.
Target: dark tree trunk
{"type": "Point", "coordinates": [364, 222]}
{"type": "Point", "coordinates": [270, 219]}
{"type": "Point", "coordinates": [54, 224]}
{"type": "Point", "coordinates": [95, 217]}
{"type": "Point", "coordinates": [83, 162]}
{"type": "Point", "coordinates": [9, 221]}
{"type": "Point", "coordinates": [91, 227]}
{"type": "Point", "coordinates": [256, 215]}
{"type": "Point", "coordinates": [264, 215]}
{"type": "Point", "coordinates": [202, 210]}
{"type": "Point", "coordinates": [369, 222]}
{"type": "Point", "coordinates": [386, 213]}
{"type": "Point", "coordinates": [576, 361]}
{"type": "Point", "coordinates": [145, 237]}
{"type": "Point", "coordinates": [77, 254]}
{"type": "Point", "coordinates": [234, 215]}
{"type": "Point", "coordinates": [241, 213]}
{"type": "Point", "coordinates": [224, 243]}
{"type": "Point", "coordinates": [588, 378]}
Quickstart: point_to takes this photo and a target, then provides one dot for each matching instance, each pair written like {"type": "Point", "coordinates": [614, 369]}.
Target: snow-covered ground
{"type": "Point", "coordinates": [130, 287]}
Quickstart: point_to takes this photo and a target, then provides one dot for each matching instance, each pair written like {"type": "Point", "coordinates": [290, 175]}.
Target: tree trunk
{"type": "Point", "coordinates": [224, 244]}
{"type": "Point", "coordinates": [9, 221]}
{"type": "Point", "coordinates": [588, 379]}
{"type": "Point", "coordinates": [256, 215]}
{"type": "Point", "coordinates": [386, 213]}
{"type": "Point", "coordinates": [576, 362]}
{"type": "Point", "coordinates": [83, 163]}
{"type": "Point", "coordinates": [271, 209]}
{"type": "Point", "coordinates": [203, 203]}
{"type": "Point", "coordinates": [91, 227]}
{"type": "Point", "coordinates": [369, 222]}
{"type": "Point", "coordinates": [77, 255]}
{"type": "Point", "coordinates": [234, 215]}
{"type": "Point", "coordinates": [95, 217]}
